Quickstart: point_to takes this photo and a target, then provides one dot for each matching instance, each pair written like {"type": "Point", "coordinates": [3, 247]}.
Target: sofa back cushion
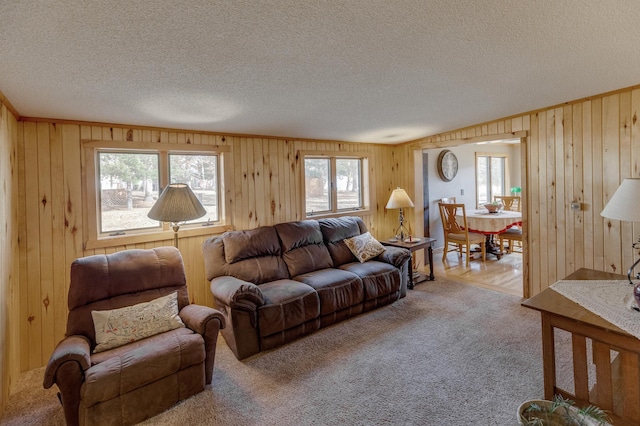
{"type": "Point", "coordinates": [252, 256]}
{"type": "Point", "coordinates": [335, 230]}
{"type": "Point", "coordinates": [303, 247]}
{"type": "Point", "coordinates": [125, 278]}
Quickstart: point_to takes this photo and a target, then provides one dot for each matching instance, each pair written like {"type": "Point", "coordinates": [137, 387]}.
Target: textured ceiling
{"type": "Point", "coordinates": [354, 70]}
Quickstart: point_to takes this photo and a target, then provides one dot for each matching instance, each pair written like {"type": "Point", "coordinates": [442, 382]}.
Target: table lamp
{"type": "Point", "coordinates": [177, 204]}
{"type": "Point", "coordinates": [516, 190]}
{"type": "Point", "coordinates": [399, 200]}
{"type": "Point", "coordinates": [624, 205]}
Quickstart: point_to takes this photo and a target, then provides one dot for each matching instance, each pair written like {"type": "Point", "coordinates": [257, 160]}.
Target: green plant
{"type": "Point", "coordinates": [561, 412]}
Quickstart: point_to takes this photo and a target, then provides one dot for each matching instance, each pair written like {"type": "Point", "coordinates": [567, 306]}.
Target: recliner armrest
{"type": "Point", "coordinates": [237, 293]}
{"type": "Point", "coordinates": [207, 322]}
{"type": "Point", "coordinates": [395, 256]}
{"type": "Point", "coordinates": [72, 348]}
{"type": "Point", "coordinates": [196, 317]}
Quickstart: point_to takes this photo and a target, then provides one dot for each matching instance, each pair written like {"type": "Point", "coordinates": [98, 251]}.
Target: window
{"type": "Point", "coordinates": [316, 184]}
{"type": "Point", "coordinates": [200, 172]}
{"type": "Point", "coordinates": [335, 184]}
{"type": "Point", "coordinates": [123, 184]}
{"type": "Point", "coordinates": [348, 178]}
{"type": "Point", "coordinates": [491, 176]}
{"type": "Point", "coordinates": [128, 187]}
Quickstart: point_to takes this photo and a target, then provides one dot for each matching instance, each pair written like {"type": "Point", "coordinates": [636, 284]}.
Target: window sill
{"type": "Point", "coordinates": [149, 237]}
{"type": "Point", "coordinates": [359, 212]}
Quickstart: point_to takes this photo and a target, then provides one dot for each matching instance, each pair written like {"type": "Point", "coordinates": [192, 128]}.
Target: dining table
{"type": "Point", "coordinates": [488, 223]}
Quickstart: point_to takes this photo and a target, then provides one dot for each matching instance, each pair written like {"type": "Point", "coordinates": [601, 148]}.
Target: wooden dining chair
{"type": "Point", "coordinates": [457, 234]}
{"type": "Point", "coordinates": [512, 235]}
{"type": "Point", "coordinates": [509, 203]}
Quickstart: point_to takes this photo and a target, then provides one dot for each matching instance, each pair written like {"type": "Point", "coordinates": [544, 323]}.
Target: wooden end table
{"type": "Point", "coordinates": [617, 376]}
{"type": "Point", "coordinates": [418, 243]}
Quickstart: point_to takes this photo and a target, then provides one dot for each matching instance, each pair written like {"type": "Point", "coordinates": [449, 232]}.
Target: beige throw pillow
{"type": "Point", "coordinates": [364, 247]}
{"type": "Point", "coordinates": [118, 327]}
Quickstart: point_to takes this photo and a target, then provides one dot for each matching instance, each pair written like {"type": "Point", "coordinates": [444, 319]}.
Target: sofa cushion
{"type": "Point", "coordinates": [267, 266]}
{"type": "Point", "coordinates": [337, 289]}
{"type": "Point", "coordinates": [334, 231]}
{"type": "Point", "coordinates": [124, 369]}
{"type": "Point", "coordinates": [364, 247]}
{"type": "Point", "coordinates": [303, 247]}
{"type": "Point", "coordinates": [240, 245]}
{"type": "Point", "coordinates": [288, 303]}
{"type": "Point", "coordinates": [122, 326]}
{"type": "Point", "coordinates": [379, 278]}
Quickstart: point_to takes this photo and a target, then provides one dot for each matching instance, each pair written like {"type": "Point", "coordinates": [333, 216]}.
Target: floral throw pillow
{"type": "Point", "coordinates": [118, 327]}
{"type": "Point", "coordinates": [364, 247]}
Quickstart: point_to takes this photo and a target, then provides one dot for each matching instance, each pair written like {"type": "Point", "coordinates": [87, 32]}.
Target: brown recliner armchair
{"type": "Point", "coordinates": [127, 384]}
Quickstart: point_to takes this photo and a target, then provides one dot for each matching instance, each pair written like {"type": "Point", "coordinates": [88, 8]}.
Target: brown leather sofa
{"type": "Point", "coordinates": [130, 383]}
{"type": "Point", "coordinates": [276, 283]}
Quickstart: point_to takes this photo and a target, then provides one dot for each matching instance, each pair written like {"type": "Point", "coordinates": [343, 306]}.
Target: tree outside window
{"type": "Point", "coordinates": [128, 190]}
{"type": "Point", "coordinates": [200, 172]}
{"type": "Point", "coordinates": [333, 184]}
{"type": "Point", "coordinates": [316, 184]}
{"type": "Point", "coordinates": [348, 176]}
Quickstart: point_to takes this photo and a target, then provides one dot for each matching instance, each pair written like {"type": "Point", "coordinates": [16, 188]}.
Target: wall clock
{"type": "Point", "coordinates": [447, 165]}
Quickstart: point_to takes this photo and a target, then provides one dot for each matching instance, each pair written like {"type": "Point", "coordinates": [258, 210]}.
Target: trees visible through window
{"type": "Point", "coordinates": [129, 183]}
{"type": "Point", "coordinates": [200, 172]}
{"type": "Point", "coordinates": [333, 184]}
{"type": "Point", "coordinates": [491, 172]}
{"type": "Point", "coordinates": [348, 177]}
{"type": "Point", "coordinates": [317, 185]}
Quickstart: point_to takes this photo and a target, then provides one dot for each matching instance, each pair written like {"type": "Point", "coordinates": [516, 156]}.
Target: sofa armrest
{"type": "Point", "coordinates": [72, 348]}
{"type": "Point", "coordinates": [237, 293]}
{"type": "Point", "coordinates": [395, 256]}
{"type": "Point", "coordinates": [196, 317]}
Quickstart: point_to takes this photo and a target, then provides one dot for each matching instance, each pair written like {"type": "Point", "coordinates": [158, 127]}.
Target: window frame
{"type": "Point", "coordinates": [367, 193]}
{"type": "Point", "coordinates": [503, 155]}
{"type": "Point", "coordinates": [95, 239]}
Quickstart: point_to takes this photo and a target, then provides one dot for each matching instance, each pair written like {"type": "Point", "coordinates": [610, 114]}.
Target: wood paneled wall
{"type": "Point", "coordinates": [266, 190]}
{"type": "Point", "coordinates": [9, 313]}
{"type": "Point", "coordinates": [579, 151]}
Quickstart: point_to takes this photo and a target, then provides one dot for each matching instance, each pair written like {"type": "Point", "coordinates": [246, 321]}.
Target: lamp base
{"type": "Point", "coordinates": [176, 228]}
{"type": "Point", "coordinates": [401, 232]}
{"type": "Point", "coordinates": [636, 286]}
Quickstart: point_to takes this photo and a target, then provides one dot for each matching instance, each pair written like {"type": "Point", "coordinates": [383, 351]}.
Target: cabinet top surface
{"type": "Point", "coordinates": [551, 302]}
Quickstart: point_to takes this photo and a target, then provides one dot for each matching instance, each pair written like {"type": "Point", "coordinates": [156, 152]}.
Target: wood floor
{"type": "Point", "coordinates": [504, 275]}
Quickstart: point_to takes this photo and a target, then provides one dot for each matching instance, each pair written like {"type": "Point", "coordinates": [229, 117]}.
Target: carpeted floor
{"type": "Point", "coordinates": [448, 354]}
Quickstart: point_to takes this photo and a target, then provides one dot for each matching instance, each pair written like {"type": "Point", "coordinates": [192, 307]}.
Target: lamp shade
{"type": "Point", "coordinates": [625, 202]}
{"type": "Point", "coordinates": [399, 199]}
{"type": "Point", "coordinates": [177, 203]}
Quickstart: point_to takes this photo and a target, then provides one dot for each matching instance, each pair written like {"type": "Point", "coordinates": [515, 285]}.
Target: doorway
{"type": "Point", "coordinates": [432, 188]}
